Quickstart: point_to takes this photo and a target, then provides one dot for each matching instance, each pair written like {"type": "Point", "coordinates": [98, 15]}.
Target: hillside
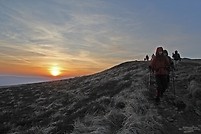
{"type": "Point", "coordinates": [115, 101]}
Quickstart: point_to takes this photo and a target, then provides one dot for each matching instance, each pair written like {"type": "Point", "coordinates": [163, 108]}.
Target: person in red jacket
{"type": "Point", "coordinates": [160, 66]}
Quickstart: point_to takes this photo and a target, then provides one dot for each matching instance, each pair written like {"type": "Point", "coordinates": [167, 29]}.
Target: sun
{"type": "Point", "coordinates": [55, 71]}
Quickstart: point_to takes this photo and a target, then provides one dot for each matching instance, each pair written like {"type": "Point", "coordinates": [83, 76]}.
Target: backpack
{"type": "Point", "coordinates": [176, 56]}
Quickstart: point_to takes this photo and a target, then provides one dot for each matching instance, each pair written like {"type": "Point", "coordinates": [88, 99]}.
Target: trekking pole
{"type": "Point", "coordinates": [173, 82]}
{"type": "Point", "coordinates": [150, 79]}
{"type": "Point", "coordinates": [149, 85]}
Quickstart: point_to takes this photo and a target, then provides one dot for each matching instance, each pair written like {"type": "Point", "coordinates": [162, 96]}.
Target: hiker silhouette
{"type": "Point", "coordinates": [160, 66]}
{"type": "Point", "coordinates": [176, 56]}
{"type": "Point", "coordinates": [171, 67]}
{"type": "Point", "coordinates": [146, 58]}
{"type": "Point", "coordinates": [152, 57]}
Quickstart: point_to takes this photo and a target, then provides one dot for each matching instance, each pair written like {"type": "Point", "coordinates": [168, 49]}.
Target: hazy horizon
{"type": "Point", "coordinates": [9, 80]}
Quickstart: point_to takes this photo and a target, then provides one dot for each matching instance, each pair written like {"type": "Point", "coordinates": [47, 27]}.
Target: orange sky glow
{"type": "Point", "coordinates": [47, 71]}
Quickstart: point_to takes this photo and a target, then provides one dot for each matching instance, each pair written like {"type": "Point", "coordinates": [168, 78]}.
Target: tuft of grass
{"type": "Point", "coordinates": [110, 123]}
{"type": "Point", "coordinates": [116, 120]}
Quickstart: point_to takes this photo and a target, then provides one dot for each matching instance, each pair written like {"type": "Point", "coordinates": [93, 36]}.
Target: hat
{"type": "Point", "coordinates": [165, 51]}
{"type": "Point", "coordinates": [159, 49]}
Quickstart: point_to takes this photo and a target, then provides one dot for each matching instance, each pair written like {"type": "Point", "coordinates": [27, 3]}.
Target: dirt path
{"type": "Point", "coordinates": [177, 116]}
{"type": "Point", "coordinates": [178, 121]}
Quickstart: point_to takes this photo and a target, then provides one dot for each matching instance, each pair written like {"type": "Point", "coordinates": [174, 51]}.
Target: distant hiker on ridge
{"type": "Point", "coordinates": [176, 57]}
{"type": "Point", "coordinates": [146, 58]}
{"type": "Point", "coordinates": [159, 65]}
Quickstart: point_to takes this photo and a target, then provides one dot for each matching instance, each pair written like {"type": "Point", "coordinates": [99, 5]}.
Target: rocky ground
{"type": "Point", "coordinates": [116, 101]}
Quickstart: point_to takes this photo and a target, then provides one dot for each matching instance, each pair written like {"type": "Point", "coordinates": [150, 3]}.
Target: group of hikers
{"type": "Point", "coordinates": [161, 65]}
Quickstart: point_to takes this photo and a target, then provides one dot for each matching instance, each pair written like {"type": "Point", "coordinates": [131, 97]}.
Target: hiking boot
{"type": "Point", "coordinates": [157, 99]}
{"type": "Point", "coordinates": [162, 94]}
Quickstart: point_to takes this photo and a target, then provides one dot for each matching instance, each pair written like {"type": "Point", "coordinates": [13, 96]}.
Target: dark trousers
{"type": "Point", "coordinates": [168, 80]}
{"type": "Point", "coordinates": [162, 84]}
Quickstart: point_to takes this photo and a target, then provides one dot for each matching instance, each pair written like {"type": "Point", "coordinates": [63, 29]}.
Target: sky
{"type": "Point", "coordinates": [79, 37]}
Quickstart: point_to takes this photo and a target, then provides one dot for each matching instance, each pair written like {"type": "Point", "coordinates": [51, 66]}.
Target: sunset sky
{"type": "Point", "coordinates": [79, 37]}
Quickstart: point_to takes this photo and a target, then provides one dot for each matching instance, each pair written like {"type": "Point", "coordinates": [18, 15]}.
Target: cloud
{"type": "Point", "coordinates": [18, 55]}
{"type": "Point", "coordinates": [91, 33]}
{"type": "Point", "coordinates": [73, 33]}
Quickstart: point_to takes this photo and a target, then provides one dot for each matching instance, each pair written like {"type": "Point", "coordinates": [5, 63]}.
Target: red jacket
{"type": "Point", "coordinates": [160, 64]}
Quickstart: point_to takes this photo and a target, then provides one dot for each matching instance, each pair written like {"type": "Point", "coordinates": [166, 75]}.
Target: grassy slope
{"type": "Point", "coordinates": [112, 101]}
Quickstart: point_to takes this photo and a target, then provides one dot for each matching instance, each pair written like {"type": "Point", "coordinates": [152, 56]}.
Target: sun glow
{"type": "Point", "coordinates": [55, 71]}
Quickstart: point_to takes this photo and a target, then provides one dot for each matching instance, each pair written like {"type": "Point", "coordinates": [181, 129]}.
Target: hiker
{"type": "Point", "coordinates": [160, 65]}
{"type": "Point", "coordinates": [176, 57]}
{"type": "Point", "coordinates": [152, 57]}
{"type": "Point", "coordinates": [147, 58]}
{"type": "Point", "coordinates": [171, 67]}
